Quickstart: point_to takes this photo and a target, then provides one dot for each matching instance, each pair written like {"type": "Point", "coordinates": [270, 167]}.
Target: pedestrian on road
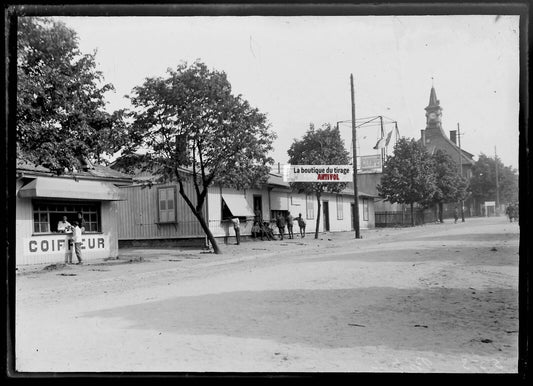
{"type": "Point", "coordinates": [290, 221]}
{"type": "Point", "coordinates": [301, 224]}
{"type": "Point", "coordinates": [456, 214]}
{"type": "Point", "coordinates": [280, 222]}
{"type": "Point", "coordinates": [76, 239]}
{"type": "Point", "coordinates": [236, 227]}
{"type": "Point", "coordinates": [510, 212]}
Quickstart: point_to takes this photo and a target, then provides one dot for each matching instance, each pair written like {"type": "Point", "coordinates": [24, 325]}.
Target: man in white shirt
{"type": "Point", "coordinates": [236, 227]}
{"type": "Point", "coordinates": [76, 239]}
{"type": "Point", "coordinates": [63, 225]}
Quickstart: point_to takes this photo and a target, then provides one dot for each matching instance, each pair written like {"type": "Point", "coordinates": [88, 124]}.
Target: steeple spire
{"type": "Point", "coordinates": [433, 101]}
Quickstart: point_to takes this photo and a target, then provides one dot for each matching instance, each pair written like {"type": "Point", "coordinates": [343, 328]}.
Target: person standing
{"type": "Point", "coordinates": [76, 239]}
{"type": "Point", "coordinates": [81, 221]}
{"type": "Point", "coordinates": [236, 227]}
{"type": "Point", "coordinates": [301, 224]}
{"type": "Point", "coordinates": [456, 214]}
{"type": "Point", "coordinates": [280, 222]}
{"type": "Point", "coordinates": [290, 221]}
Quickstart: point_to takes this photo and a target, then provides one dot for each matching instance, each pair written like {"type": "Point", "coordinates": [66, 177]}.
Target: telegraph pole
{"type": "Point", "coordinates": [461, 169]}
{"type": "Point", "coordinates": [497, 184]}
{"type": "Point", "coordinates": [356, 201]}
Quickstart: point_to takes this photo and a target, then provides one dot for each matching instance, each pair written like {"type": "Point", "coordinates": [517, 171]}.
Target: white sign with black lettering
{"type": "Point", "coordinates": [51, 244]}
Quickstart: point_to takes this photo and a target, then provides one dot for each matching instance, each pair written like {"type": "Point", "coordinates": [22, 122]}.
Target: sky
{"type": "Point", "coordinates": [297, 70]}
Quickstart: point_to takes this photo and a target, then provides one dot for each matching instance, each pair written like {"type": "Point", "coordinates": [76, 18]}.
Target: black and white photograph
{"type": "Point", "coordinates": [235, 191]}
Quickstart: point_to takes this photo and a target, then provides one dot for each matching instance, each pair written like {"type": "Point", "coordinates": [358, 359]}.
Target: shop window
{"type": "Point", "coordinates": [310, 207]}
{"type": "Point", "coordinates": [339, 208]}
{"type": "Point", "coordinates": [365, 209]}
{"type": "Point", "coordinates": [47, 214]}
{"type": "Point", "coordinates": [167, 204]}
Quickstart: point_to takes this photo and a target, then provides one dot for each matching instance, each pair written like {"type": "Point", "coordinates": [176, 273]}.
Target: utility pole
{"type": "Point", "coordinates": [461, 169]}
{"type": "Point", "coordinates": [354, 147]}
{"type": "Point", "coordinates": [382, 136]}
{"type": "Point", "coordinates": [497, 184]}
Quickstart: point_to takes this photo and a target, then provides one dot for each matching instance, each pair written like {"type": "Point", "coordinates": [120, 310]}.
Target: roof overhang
{"type": "Point", "coordinates": [66, 188]}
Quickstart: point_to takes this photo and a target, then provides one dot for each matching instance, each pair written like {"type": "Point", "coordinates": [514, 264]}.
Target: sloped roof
{"type": "Point", "coordinates": [93, 172]}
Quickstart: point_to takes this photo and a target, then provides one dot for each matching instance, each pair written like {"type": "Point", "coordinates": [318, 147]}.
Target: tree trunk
{"type": "Point", "coordinates": [440, 212]}
{"type": "Point", "coordinates": [207, 232]}
{"type": "Point", "coordinates": [412, 215]}
{"type": "Point", "coordinates": [317, 216]}
{"type": "Point", "coordinates": [200, 217]}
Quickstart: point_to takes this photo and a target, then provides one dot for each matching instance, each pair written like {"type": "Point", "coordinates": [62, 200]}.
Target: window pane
{"type": "Point", "coordinates": [171, 216]}
{"type": "Point", "coordinates": [162, 205]}
{"type": "Point", "coordinates": [170, 204]}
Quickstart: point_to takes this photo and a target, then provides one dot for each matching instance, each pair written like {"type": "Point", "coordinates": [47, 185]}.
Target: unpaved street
{"type": "Point", "coordinates": [436, 298]}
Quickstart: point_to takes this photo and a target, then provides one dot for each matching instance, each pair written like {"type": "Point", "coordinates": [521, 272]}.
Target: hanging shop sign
{"type": "Point", "coordinates": [317, 173]}
{"type": "Point", "coordinates": [370, 163]}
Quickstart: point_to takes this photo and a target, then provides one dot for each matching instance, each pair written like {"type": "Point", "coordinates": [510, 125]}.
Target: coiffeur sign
{"type": "Point", "coordinates": [63, 244]}
{"type": "Point", "coordinates": [317, 173]}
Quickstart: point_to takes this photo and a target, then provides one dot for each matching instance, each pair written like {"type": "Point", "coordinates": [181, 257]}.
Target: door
{"type": "Point", "coordinates": [258, 205]}
{"type": "Point", "coordinates": [325, 213]}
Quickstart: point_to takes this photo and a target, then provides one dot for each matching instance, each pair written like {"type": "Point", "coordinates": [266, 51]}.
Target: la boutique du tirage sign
{"type": "Point", "coordinates": [317, 173]}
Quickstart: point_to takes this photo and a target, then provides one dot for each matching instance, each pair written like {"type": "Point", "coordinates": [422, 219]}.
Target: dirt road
{"type": "Point", "coordinates": [436, 298]}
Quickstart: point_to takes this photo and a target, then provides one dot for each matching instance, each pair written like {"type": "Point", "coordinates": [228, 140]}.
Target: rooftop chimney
{"type": "Point", "coordinates": [453, 136]}
{"type": "Point", "coordinates": [423, 137]}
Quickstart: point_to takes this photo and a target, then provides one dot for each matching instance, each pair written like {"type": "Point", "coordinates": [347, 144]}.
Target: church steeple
{"type": "Point", "coordinates": [433, 111]}
{"type": "Point", "coordinates": [433, 101]}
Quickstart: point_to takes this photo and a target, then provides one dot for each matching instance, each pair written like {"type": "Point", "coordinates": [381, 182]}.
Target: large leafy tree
{"type": "Point", "coordinates": [483, 180]}
{"type": "Point", "coordinates": [408, 176]}
{"type": "Point", "coordinates": [322, 146]}
{"type": "Point", "coordinates": [450, 185]}
{"type": "Point", "coordinates": [60, 99]}
{"type": "Point", "coordinates": [189, 127]}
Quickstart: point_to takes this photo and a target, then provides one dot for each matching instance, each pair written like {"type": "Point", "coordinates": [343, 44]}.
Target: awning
{"type": "Point", "coordinates": [47, 187]}
{"type": "Point", "coordinates": [237, 204]}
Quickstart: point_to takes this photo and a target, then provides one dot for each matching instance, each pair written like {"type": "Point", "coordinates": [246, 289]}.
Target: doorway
{"type": "Point", "coordinates": [325, 213]}
{"type": "Point", "coordinates": [258, 205]}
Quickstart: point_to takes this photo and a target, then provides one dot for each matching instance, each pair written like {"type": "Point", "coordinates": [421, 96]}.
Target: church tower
{"type": "Point", "coordinates": [433, 112]}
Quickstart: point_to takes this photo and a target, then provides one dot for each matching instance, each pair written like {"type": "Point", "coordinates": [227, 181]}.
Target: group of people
{"type": "Point", "coordinates": [263, 229]}
{"type": "Point", "coordinates": [76, 228]}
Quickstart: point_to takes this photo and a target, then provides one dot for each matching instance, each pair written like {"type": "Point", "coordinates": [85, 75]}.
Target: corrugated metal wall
{"type": "Point", "coordinates": [138, 215]}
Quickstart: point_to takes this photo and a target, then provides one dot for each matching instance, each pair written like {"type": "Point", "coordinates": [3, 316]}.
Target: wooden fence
{"type": "Point", "coordinates": [403, 218]}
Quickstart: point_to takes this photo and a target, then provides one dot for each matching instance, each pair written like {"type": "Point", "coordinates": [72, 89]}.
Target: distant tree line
{"type": "Point", "coordinates": [413, 176]}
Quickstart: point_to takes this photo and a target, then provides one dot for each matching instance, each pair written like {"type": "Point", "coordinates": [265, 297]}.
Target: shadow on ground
{"type": "Point", "coordinates": [502, 256]}
{"type": "Point", "coordinates": [437, 319]}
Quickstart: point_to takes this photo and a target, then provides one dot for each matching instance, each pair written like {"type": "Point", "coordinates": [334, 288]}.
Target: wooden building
{"type": "Point", "coordinates": [157, 212]}
{"type": "Point", "coordinates": [43, 198]}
